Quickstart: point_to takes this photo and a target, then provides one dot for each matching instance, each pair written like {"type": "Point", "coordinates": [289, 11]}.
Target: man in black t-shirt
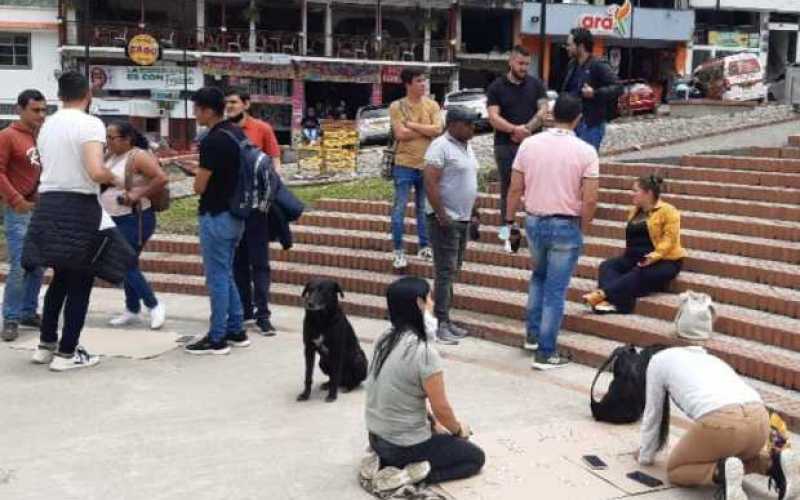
{"type": "Point", "coordinates": [220, 231]}
{"type": "Point", "coordinates": [516, 104]}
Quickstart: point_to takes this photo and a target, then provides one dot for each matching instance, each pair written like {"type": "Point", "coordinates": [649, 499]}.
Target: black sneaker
{"type": "Point", "coordinates": [10, 331]}
{"type": "Point", "coordinates": [548, 362]}
{"type": "Point", "coordinates": [265, 328]}
{"type": "Point", "coordinates": [34, 321]}
{"type": "Point", "coordinates": [237, 339]}
{"type": "Point", "coordinates": [206, 346]}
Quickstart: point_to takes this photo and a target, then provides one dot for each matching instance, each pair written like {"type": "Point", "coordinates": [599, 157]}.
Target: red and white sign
{"type": "Point", "coordinates": [614, 22]}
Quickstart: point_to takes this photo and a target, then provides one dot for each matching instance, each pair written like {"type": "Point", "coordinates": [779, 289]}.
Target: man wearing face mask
{"type": "Point", "coordinates": [451, 184]}
{"type": "Point", "coordinates": [251, 264]}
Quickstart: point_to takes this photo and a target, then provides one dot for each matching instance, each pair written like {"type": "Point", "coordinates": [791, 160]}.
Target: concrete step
{"type": "Point", "coordinates": [732, 320]}
{"type": "Point", "coordinates": [487, 204]}
{"type": "Point", "coordinates": [704, 204]}
{"type": "Point", "coordinates": [767, 250]}
{"type": "Point", "coordinates": [673, 173]}
{"type": "Point", "coordinates": [368, 251]}
{"type": "Point", "coordinates": [771, 364]}
{"type": "Point", "coordinates": [782, 152]}
{"type": "Point", "coordinates": [786, 166]}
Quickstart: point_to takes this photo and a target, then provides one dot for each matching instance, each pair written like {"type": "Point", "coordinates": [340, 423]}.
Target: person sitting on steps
{"type": "Point", "coordinates": [653, 254]}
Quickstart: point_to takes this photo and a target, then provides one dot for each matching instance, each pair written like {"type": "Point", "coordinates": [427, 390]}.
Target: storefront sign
{"type": "Point", "coordinates": [259, 58]}
{"type": "Point", "coordinates": [144, 78]}
{"type": "Point", "coordinates": [143, 50]}
{"type": "Point", "coordinates": [234, 67]}
{"type": "Point", "coordinates": [336, 72]}
{"type": "Point", "coordinates": [733, 39]}
{"type": "Point", "coordinates": [616, 21]}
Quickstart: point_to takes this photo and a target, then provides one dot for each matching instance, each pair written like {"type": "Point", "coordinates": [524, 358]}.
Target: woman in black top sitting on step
{"type": "Point", "coordinates": [653, 254]}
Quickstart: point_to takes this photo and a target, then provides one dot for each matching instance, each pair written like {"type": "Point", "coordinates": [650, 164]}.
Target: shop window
{"type": "Point", "coordinates": [15, 50]}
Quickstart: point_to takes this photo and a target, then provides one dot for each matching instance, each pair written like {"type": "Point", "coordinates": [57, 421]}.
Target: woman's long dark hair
{"type": "Point", "coordinates": [663, 429]}
{"type": "Point", "coordinates": [404, 314]}
{"type": "Point", "coordinates": [652, 184]}
{"type": "Point", "coordinates": [128, 131]}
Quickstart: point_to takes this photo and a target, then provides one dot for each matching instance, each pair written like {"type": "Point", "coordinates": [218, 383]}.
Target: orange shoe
{"type": "Point", "coordinates": [594, 298]}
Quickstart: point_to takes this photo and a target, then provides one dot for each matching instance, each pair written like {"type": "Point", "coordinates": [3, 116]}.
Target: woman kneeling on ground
{"type": "Point", "coordinates": [131, 210]}
{"type": "Point", "coordinates": [653, 254]}
{"type": "Point", "coordinates": [406, 371]}
{"type": "Point", "coordinates": [730, 426]}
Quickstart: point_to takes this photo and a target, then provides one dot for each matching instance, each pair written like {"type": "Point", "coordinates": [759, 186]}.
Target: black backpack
{"type": "Point", "coordinates": [624, 402]}
{"type": "Point", "coordinates": [254, 187]}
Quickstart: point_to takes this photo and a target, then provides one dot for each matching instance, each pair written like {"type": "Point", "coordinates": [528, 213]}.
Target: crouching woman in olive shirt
{"type": "Point", "coordinates": [405, 373]}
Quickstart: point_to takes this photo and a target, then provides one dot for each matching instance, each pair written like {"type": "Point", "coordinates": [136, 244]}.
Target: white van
{"type": "Point", "coordinates": [738, 77]}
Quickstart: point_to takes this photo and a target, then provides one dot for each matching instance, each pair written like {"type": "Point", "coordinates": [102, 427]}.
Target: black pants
{"type": "Point", "coordinates": [504, 157]}
{"type": "Point", "coordinates": [623, 281]}
{"type": "Point", "coordinates": [450, 457]}
{"type": "Point", "coordinates": [448, 244]}
{"type": "Point", "coordinates": [251, 267]}
{"type": "Point", "coordinates": [71, 291]}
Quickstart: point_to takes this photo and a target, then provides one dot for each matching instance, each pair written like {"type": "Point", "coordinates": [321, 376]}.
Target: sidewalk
{"type": "Point", "coordinates": [228, 427]}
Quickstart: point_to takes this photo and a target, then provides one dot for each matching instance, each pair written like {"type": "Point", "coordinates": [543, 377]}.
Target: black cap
{"type": "Point", "coordinates": [461, 114]}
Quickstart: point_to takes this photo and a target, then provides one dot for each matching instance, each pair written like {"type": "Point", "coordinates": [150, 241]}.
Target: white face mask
{"type": "Point", "coordinates": [431, 324]}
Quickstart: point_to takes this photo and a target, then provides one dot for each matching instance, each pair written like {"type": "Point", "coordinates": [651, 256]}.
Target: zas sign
{"type": "Point", "coordinates": [143, 50]}
{"type": "Point", "coordinates": [615, 22]}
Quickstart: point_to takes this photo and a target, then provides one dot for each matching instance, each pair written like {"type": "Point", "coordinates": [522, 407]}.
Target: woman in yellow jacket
{"type": "Point", "coordinates": [653, 254]}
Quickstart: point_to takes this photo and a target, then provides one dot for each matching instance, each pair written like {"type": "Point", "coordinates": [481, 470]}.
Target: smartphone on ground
{"type": "Point", "coordinates": [594, 462]}
{"type": "Point", "coordinates": [645, 479]}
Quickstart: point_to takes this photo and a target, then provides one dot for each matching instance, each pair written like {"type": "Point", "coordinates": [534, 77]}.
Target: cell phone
{"type": "Point", "coordinates": [645, 479]}
{"type": "Point", "coordinates": [595, 462]}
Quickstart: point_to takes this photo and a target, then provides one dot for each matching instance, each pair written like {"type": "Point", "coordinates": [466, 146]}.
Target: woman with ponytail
{"type": "Point", "coordinates": [129, 157]}
{"type": "Point", "coordinates": [653, 254]}
{"type": "Point", "coordinates": [405, 374]}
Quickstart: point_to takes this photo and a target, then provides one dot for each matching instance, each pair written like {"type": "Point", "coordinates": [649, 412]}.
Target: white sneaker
{"type": "Point", "coordinates": [125, 318]}
{"type": "Point", "coordinates": [507, 247]}
{"type": "Point", "coordinates": [733, 474]}
{"type": "Point", "coordinates": [43, 355]}
{"type": "Point", "coordinates": [392, 478]}
{"type": "Point", "coordinates": [400, 261]}
{"type": "Point", "coordinates": [81, 359]}
{"type": "Point", "coordinates": [158, 315]}
{"type": "Point", "coordinates": [425, 253]}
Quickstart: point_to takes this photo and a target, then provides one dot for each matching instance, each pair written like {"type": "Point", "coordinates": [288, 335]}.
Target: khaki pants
{"type": "Point", "coordinates": [733, 431]}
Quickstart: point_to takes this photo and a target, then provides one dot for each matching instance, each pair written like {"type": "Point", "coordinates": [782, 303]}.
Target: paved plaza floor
{"type": "Point", "coordinates": [179, 427]}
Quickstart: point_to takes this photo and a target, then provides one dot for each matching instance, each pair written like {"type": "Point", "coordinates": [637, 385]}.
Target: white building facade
{"type": "Point", "coordinates": [29, 56]}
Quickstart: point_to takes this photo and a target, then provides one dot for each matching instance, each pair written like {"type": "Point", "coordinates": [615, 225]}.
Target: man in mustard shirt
{"type": "Point", "coordinates": [416, 121]}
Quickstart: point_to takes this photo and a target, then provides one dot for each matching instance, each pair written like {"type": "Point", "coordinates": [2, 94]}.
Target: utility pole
{"type": "Point", "coordinates": [185, 78]}
{"type": "Point", "coordinates": [542, 38]}
{"type": "Point", "coordinates": [87, 36]}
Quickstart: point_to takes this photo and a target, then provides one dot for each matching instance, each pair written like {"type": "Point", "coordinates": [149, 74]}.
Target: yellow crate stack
{"type": "Point", "coordinates": [339, 146]}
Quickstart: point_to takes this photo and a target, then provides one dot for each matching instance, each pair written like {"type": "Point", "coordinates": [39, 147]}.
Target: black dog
{"type": "Point", "coordinates": [326, 330]}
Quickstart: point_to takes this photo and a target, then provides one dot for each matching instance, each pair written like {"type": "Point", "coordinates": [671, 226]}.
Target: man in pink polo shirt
{"type": "Point", "coordinates": [558, 175]}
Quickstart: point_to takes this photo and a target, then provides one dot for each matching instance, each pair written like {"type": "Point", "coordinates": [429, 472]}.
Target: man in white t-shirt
{"type": "Point", "coordinates": [70, 146]}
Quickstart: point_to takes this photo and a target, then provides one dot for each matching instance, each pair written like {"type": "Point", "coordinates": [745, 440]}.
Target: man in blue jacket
{"type": "Point", "coordinates": [593, 81]}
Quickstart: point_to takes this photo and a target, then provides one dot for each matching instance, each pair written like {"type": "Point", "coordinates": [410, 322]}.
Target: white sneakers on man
{"type": "Point", "coordinates": [126, 318]}
{"type": "Point", "coordinates": [80, 359]}
{"type": "Point", "coordinates": [158, 315]}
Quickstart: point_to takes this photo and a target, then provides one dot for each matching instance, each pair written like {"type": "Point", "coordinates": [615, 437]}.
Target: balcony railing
{"type": "Point", "coordinates": [236, 40]}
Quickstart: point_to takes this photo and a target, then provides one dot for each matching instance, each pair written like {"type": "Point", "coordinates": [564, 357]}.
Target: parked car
{"type": "Point", "coordinates": [637, 97]}
{"type": "Point", "coordinates": [472, 99]}
{"type": "Point", "coordinates": [739, 77]}
{"type": "Point", "coordinates": [373, 123]}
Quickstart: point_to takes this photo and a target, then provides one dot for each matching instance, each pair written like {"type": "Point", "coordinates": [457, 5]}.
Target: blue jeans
{"type": "Point", "coordinates": [137, 289]}
{"type": "Point", "coordinates": [21, 295]}
{"type": "Point", "coordinates": [219, 237]}
{"type": "Point", "coordinates": [555, 244]}
{"type": "Point", "coordinates": [406, 178]}
{"type": "Point", "coordinates": [592, 135]}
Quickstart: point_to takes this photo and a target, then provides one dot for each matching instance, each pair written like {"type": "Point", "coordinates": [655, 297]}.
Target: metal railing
{"type": "Point", "coordinates": [216, 39]}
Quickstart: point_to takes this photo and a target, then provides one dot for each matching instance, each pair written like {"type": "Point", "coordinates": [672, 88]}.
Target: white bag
{"type": "Point", "coordinates": [696, 315]}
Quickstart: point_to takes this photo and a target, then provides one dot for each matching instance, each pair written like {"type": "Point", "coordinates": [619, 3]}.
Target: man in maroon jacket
{"type": "Point", "coordinates": [19, 178]}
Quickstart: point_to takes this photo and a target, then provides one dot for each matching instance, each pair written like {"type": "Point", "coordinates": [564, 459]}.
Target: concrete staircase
{"type": "Point", "coordinates": [741, 225]}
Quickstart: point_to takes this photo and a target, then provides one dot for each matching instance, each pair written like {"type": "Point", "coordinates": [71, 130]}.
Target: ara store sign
{"type": "Point", "coordinates": [616, 21]}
